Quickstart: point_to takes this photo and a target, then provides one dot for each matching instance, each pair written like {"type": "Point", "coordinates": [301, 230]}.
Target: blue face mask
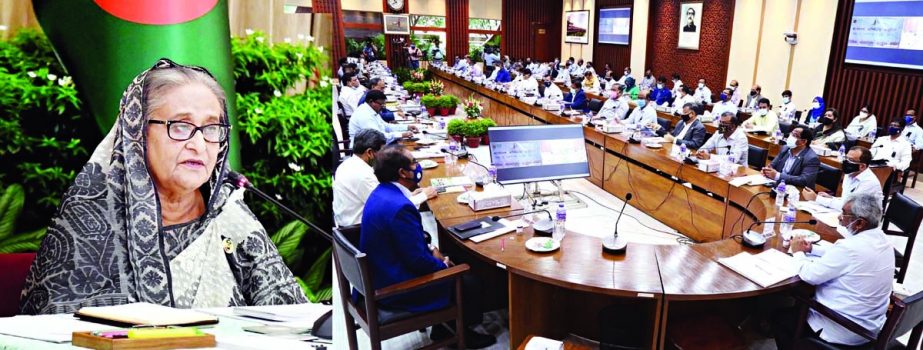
{"type": "Point", "coordinates": [641, 103]}
{"type": "Point", "coordinates": [418, 173]}
{"type": "Point", "coordinates": [893, 130]}
{"type": "Point", "coordinates": [724, 96]}
{"type": "Point", "coordinates": [908, 119]}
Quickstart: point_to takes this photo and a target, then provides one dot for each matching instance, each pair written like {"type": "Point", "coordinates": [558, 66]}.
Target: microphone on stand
{"type": "Point", "coordinates": [616, 244]}
{"type": "Point", "coordinates": [755, 239]}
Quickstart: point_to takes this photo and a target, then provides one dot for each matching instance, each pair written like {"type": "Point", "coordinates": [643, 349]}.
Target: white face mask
{"type": "Point", "coordinates": [791, 142]}
{"type": "Point", "coordinates": [786, 100]}
{"type": "Point", "coordinates": [763, 112]}
{"type": "Point", "coordinates": [845, 231]}
{"type": "Point", "coordinates": [815, 105]}
{"type": "Point", "coordinates": [660, 86]}
{"type": "Point", "coordinates": [863, 115]}
{"type": "Point", "coordinates": [701, 85]}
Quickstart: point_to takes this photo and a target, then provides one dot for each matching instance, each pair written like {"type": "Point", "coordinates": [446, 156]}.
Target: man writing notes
{"type": "Point", "coordinates": [858, 179]}
{"type": "Point", "coordinates": [894, 149]}
{"type": "Point", "coordinates": [796, 164]}
{"type": "Point", "coordinates": [366, 117]}
{"type": "Point", "coordinates": [729, 137]}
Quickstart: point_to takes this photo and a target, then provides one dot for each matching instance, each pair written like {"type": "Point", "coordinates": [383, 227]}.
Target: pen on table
{"type": "Point", "coordinates": [502, 245]}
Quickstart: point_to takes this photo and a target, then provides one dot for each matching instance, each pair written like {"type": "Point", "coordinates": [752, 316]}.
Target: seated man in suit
{"type": "Point", "coordinates": [858, 178]}
{"type": "Point", "coordinates": [690, 130]}
{"type": "Point", "coordinates": [576, 98]}
{"type": "Point", "coordinates": [729, 138]}
{"type": "Point", "coordinates": [852, 277]}
{"type": "Point", "coordinates": [796, 164]}
{"type": "Point", "coordinates": [393, 238]}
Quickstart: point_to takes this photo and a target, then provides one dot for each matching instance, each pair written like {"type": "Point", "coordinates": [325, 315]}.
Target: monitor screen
{"type": "Point", "coordinates": [886, 33]}
{"type": "Point", "coordinates": [538, 153]}
{"type": "Point", "coordinates": [614, 25]}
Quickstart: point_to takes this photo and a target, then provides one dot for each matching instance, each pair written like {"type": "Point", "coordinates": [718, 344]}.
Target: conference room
{"type": "Point", "coordinates": [617, 174]}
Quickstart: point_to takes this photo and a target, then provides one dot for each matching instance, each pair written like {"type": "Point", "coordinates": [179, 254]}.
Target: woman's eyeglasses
{"type": "Point", "coordinates": [182, 131]}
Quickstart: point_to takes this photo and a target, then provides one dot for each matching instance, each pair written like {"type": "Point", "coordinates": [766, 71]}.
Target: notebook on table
{"type": "Point", "coordinates": [144, 314]}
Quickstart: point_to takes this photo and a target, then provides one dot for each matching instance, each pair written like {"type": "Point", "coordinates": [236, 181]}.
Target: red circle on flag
{"type": "Point", "coordinates": [157, 11]}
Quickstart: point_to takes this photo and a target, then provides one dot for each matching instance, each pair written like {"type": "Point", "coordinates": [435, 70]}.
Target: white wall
{"type": "Point", "coordinates": [489, 9]}
{"type": "Point", "coordinates": [426, 7]}
{"type": "Point", "coordinates": [808, 63]}
{"type": "Point", "coordinates": [363, 5]}
{"type": "Point", "coordinates": [578, 51]}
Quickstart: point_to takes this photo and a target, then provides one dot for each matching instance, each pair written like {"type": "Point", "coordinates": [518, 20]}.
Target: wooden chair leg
{"type": "Point", "coordinates": [914, 341]}
{"type": "Point", "coordinates": [351, 331]}
{"type": "Point", "coordinates": [460, 319]}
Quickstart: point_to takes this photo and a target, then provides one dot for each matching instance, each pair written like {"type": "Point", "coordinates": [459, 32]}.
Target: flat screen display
{"type": "Point", "coordinates": [886, 33]}
{"type": "Point", "coordinates": [538, 153]}
{"type": "Point", "coordinates": [614, 25]}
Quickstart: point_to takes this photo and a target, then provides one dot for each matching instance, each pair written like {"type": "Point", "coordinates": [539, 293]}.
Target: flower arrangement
{"type": "Point", "coordinates": [436, 87]}
{"type": "Point", "coordinates": [417, 76]}
{"type": "Point", "coordinates": [472, 107]}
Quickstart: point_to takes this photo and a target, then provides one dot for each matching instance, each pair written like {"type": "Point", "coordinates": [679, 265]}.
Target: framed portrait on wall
{"type": "Point", "coordinates": [578, 27]}
{"type": "Point", "coordinates": [397, 24]}
{"type": "Point", "coordinates": [690, 25]}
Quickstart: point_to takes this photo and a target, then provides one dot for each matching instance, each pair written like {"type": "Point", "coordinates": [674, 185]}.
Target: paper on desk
{"type": "Point", "coordinates": [766, 268]}
{"type": "Point", "coordinates": [283, 313]}
{"type": "Point", "coordinates": [51, 328]}
{"type": "Point", "coordinates": [814, 208]}
{"type": "Point", "coordinates": [427, 153]}
{"type": "Point", "coordinates": [754, 180]}
{"type": "Point", "coordinates": [508, 227]}
{"type": "Point", "coordinates": [541, 343]}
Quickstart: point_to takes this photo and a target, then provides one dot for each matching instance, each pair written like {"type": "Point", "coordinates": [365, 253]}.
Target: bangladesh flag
{"type": "Point", "coordinates": [104, 44]}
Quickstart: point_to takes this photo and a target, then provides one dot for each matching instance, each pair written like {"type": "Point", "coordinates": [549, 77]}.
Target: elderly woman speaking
{"type": "Point", "coordinates": [148, 219]}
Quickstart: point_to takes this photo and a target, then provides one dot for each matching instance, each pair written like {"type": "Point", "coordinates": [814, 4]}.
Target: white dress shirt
{"type": "Point", "coordinates": [861, 128]}
{"type": "Point", "coordinates": [787, 111]}
{"type": "Point", "coordinates": [738, 143]}
{"type": "Point", "coordinates": [366, 118]}
{"type": "Point", "coordinates": [681, 101]}
{"type": "Point", "coordinates": [350, 97]}
{"type": "Point", "coordinates": [865, 182]}
{"type": "Point", "coordinates": [527, 86]}
{"type": "Point", "coordinates": [553, 92]}
{"type": "Point", "coordinates": [853, 277]}
{"type": "Point", "coordinates": [643, 116]}
{"type": "Point", "coordinates": [897, 152]}
{"type": "Point", "coordinates": [614, 108]}
{"type": "Point", "coordinates": [914, 134]}
{"type": "Point", "coordinates": [676, 86]}
{"type": "Point", "coordinates": [352, 184]}
{"type": "Point", "coordinates": [648, 82]}
{"type": "Point", "coordinates": [719, 108]}
{"type": "Point", "coordinates": [702, 95]}
{"type": "Point", "coordinates": [735, 97]}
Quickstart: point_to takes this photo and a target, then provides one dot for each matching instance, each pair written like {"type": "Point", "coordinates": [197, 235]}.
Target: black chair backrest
{"type": "Point", "coordinates": [664, 123]}
{"type": "Point", "coordinates": [785, 128]}
{"type": "Point", "coordinates": [630, 109]}
{"type": "Point", "coordinates": [829, 177]}
{"type": "Point", "coordinates": [595, 105]}
{"type": "Point", "coordinates": [911, 316]}
{"type": "Point", "coordinates": [756, 156]}
{"type": "Point", "coordinates": [905, 213]}
{"type": "Point", "coordinates": [352, 263]}
{"type": "Point", "coordinates": [798, 116]}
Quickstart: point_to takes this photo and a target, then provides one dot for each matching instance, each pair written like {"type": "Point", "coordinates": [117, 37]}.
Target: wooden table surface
{"type": "Point", "coordinates": [711, 212]}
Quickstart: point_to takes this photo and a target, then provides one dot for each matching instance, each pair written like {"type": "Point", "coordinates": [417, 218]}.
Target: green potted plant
{"type": "Point", "coordinates": [485, 124]}
{"type": "Point", "coordinates": [473, 131]}
{"type": "Point", "coordinates": [453, 103]}
{"type": "Point", "coordinates": [431, 103]}
{"type": "Point", "coordinates": [455, 129]}
{"type": "Point", "coordinates": [444, 102]}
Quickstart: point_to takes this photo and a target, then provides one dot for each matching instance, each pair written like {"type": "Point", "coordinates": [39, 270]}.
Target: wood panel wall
{"type": "Point", "coordinates": [617, 56]}
{"type": "Point", "coordinates": [890, 91]}
{"type": "Point", "coordinates": [456, 25]}
{"type": "Point", "coordinates": [518, 19]}
{"type": "Point", "coordinates": [334, 8]}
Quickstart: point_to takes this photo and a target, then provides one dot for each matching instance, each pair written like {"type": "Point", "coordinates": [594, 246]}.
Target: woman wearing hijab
{"type": "Point", "coordinates": [149, 218]}
{"type": "Point", "coordinates": [631, 89]}
{"type": "Point", "coordinates": [818, 108]}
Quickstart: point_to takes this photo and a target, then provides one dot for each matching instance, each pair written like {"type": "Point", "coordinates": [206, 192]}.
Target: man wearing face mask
{"type": "Point", "coordinates": [859, 179]}
{"type": "Point", "coordinates": [729, 138]}
{"type": "Point", "coordinates": [702, 93]}
{"type": "Point", "coordinates": [912, 131]}
{"type": "Point", "coordinates": [647, 81]}
{"type": "Point", "coordinates": [756, 94]}
{"type": "Point", "coordinates": [724, 104]}
{"type": "Point", "coordinates": [367, 117]}
{"type": "Point", "coordinates": [644, 114]}
{"type": "Point", "coordinates": [590, 82]}
{"type": "Point", "coordinates": [355, 180]}
{"type": "Point", "coordinates": [616, 106]}
{"type": "Point", "coordinates": [690, 130]}
{"type": "Point", "coordinates": [829, 133]}
{"type": "Point", "coordinates": [893, 148]}
{"type": "Point", "coordinates": [764, 119]}
{"type": "Point", "coordinates": [788, 109]}
{"type": "Point", "coordinates": [683, 98]}
{"type": "Point", "coordinates": [735, 96]}
{"type": "Point", "coordinates": [551, 91]}
{"type": "Point", "coordinates": [662, 95]}
{"type": "Point", "coordinates": [862, 124]}
{"type": "Point", "coordinates": [392, 237]}
{"type": "Point", "coordinates": [852, 276]}
{"type": "Point", "coordinates": [677, 85]}
{"type": "Point", "coordinates": [528, 84]}
{"type": "Point", "coordinates": [625, 75]}
{"type": "Point", "coordinates": [796, 164]}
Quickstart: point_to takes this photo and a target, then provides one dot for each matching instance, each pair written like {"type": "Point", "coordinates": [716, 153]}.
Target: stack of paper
{"type": "Point", "coordinates": [145, 314]}
{"type": "Point", "coordinates": [51, 328]}
{"type": "Point", "coordinates": [508, 226]}
{"type": "Point", "coordinates": [753, 180]}
{"type": "Point", "coordinates": [766, 268]}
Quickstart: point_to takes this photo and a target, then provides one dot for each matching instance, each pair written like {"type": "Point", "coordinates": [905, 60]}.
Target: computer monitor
{"type": "Point", "coordinates": [538, 153]}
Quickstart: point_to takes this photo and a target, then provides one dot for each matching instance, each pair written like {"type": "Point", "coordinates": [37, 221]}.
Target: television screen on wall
{"type": "Point", "coordinates": [614, 25]}
{"type": "Point", "coordinates": [886, 33]}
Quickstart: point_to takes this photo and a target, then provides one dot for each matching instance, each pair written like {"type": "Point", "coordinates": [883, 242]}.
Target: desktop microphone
{"type": "Point", "coordinates": [616, 244]}
{"type": "Point", "coordinates": [435, 134]}
{"type": "Point", "coordinates": [755, 240]}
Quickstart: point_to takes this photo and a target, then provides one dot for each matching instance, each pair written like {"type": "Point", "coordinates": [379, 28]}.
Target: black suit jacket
{"type": "Point", "coordinates": [803, 171]}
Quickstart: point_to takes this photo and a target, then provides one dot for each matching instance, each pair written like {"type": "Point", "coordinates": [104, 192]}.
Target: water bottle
{"type": "Point", "coordinates": [492, 174]}
{"type": "Point", "coordinates": [780, 194]}
{"type": "Point", "coordinates": [683, 151]}
{"type": "Point", "coordinates": [872, 134]}
{"type": "Point", "coordinates": [841, 155]}
{"type": "Point", "coordinates": [453, 149]}
{"type": "Point", "coordinates": [777, 135]}
{"type": "Point", "coordinates": [788, 221]}
{"type": "Point", "coordinates": [561, 216]}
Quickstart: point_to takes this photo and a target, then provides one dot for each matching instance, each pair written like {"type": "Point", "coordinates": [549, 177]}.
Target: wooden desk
{"type": "Point", "coordinates": [579, 279]}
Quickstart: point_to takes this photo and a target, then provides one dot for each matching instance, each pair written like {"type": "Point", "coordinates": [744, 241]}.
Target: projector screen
{"type": "Point", "coordinates": [538, 153]}
{"type": "Point", "coordinates": [887, 33]}
{"type": "Point", "coordinates": [614, 25]}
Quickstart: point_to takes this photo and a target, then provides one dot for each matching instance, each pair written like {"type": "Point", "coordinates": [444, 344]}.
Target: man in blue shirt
{"type": "Point", "coordinates": [503, 75]}
{"type": "Point", "coordinates": [393, 238]}
{"type": "Point", "coordinates": [662, 95]}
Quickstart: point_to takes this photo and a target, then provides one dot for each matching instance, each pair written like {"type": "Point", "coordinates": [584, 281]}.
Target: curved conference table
{"type": "Point", "coordinates": [558, 293]}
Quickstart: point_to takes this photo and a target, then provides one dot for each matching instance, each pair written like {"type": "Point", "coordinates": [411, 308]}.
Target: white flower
{"type": "Point", "coordinates": [321, 49]}
{"type": "Point", "coordinates": [294, 167]}
{"type": "Point", "coordinates": [66, 81]}
{"type": "Point", "coordinates": [287, 40]}
{"type": "Point", "coordinates": [310, 38]}
{"type": "Point", "coordinates": [277, 93]}
{"type": "Point", "coordinates": [4, 27]}
{"type": "Point", "coordinates": [299, 55]}
{"type": "Point", "coordinates": [260, 39]}
{"type": "Point", "coordinates": [258, 110]}
{"type": "Point", "coordinates": [52, 77]}
{"type": "Point", "coordinates": [31, 74]}
{"type": "Point", "coordinates": [300, 36]}
{"type": "Point", "coordinates": [278, 196]}
{"type": "Point", "coordinates": [324, 83]}
{"type": "Point", "coordinates": [249, 31]}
